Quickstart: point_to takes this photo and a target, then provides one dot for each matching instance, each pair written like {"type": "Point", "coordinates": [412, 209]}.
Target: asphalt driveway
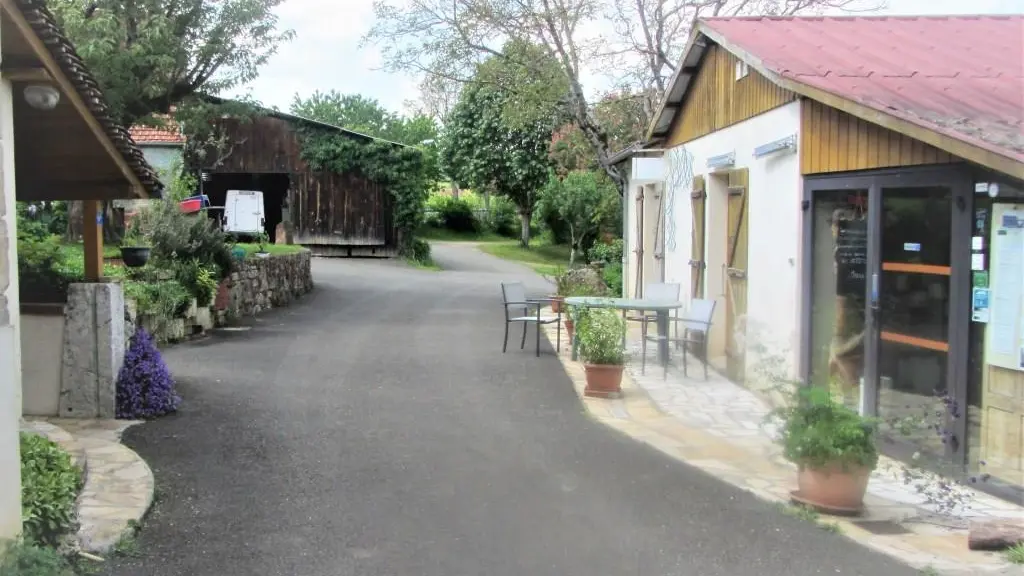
{"type": "Point", "coordinates": [375, 428]}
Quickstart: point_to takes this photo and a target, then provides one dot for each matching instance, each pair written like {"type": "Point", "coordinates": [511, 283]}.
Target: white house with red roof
{"type": "Point", "coordinates": [162, 146]}
{"type": "Point", "coordinates": [850, 193]}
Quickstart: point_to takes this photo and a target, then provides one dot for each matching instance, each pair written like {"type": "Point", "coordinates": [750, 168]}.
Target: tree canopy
{"type": "Point", "coordinates": [481, 150]}
{"type": "Point", "coordinates": [365, 115]}
{"type": "Point", "coordinates": [150, 55]}
{"type": "Point", "coordinates": [582, 199]}
{"type": "Point", "coordinates": [450, 38]}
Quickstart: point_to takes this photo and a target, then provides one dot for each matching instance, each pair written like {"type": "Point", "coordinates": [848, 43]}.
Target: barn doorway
{"type": "Point", "coordinates": [273, 185]}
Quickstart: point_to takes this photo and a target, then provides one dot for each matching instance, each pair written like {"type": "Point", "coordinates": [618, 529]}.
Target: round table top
{"type": "Point", "coordinates": [622, 303]}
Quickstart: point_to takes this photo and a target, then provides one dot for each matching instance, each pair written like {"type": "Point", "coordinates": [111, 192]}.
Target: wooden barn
{"type": "Point", "coordinates": [331, 214]}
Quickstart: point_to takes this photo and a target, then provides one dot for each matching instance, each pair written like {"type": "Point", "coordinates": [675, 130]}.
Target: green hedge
{"type": "Point", "coordinates": [49, 486]}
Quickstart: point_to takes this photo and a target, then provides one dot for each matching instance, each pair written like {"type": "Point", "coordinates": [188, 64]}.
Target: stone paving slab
{"type": "Point", "coordinates": [119, 487]}
{"type": "Point", "coordinates": [60, 436]}
{"type": "Point", "coordinates": [718, 426]}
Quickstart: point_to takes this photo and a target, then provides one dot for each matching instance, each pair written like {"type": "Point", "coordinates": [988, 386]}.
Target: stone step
{"type": "Point", "coordinates": [117, 494]}
{"type": "Point", "coordinates": [118, 489]}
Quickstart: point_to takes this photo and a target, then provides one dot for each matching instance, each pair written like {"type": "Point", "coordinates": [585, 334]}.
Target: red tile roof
{"type": "Point", "coordinates": [962, 76]}
{"type": "Point", "coordinates": [168, 134]}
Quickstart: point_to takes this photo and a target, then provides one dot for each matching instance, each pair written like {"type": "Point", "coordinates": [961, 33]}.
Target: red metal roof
{"type": "Point", "coordinates": [962, 76]}
{"type": "Point", "coordinates": [168, 134]}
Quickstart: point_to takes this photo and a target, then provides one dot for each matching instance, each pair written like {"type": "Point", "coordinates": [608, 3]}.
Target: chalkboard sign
{"type": "Point", "coordinates": [851, 256]}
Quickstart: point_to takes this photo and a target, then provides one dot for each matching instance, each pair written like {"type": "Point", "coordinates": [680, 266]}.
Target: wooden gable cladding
{"type": "Point", "coordinates": [717, 99]}
{"type": "Point", "coordinates": [834, 141]}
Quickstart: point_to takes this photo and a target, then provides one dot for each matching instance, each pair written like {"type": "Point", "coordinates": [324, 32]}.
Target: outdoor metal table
{"type": "Point", "coordinates": [659, 307]}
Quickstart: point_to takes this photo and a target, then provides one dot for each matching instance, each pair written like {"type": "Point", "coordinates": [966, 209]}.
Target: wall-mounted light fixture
{"type": "Point", "coordinates": [722, 161]}
{"type": "Point", "coordinates": [787, 143]}
{"type": "Point", "coordinates": [42, 96]}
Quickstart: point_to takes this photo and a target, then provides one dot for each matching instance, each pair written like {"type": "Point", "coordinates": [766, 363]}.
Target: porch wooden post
{"type": "Point", "coordinates": [92, 239]}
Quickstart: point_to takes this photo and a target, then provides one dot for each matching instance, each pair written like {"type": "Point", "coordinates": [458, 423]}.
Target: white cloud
{"type": "Point", "coordinates": [326, 54]}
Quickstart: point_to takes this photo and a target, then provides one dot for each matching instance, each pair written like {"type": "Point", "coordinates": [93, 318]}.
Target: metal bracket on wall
{"type": "Point", "coordinates": [787, 143]}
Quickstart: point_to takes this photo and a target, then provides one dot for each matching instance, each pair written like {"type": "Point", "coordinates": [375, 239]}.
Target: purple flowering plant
{"type": "Point", "coordinates": [145, 388]}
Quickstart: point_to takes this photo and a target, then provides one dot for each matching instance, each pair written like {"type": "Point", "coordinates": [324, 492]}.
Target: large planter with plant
{"type": "Point", "coordinates": [600, 339]}
{"type": "Point", "coordinates": [834, 449]}
{"type": "Point", "coordinates": [134, 247]}
{"type": "Point", "coordinates": [135, 256]}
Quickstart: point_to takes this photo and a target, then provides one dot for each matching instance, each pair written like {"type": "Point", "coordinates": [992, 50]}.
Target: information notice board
{"type": "Point", "coordinates": [1005, 334]}
{"type": "Point", "coordinates": [851, 256]}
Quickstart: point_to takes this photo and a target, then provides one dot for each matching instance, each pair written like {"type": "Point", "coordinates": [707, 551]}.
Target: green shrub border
{"type": "Point", "coordinates": [49, 486]}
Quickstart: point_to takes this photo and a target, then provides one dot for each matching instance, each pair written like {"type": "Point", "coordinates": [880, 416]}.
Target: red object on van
{"type": "Point", "coordinates": [191, 205]}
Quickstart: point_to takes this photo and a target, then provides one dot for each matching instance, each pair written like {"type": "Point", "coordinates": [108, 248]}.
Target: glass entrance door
{"type": "Point", "coordinates": [912, 311]}
{"type": "Point", "coordinates": [887, 283]}
{"type": "Point", "coordinates": [839, 251]}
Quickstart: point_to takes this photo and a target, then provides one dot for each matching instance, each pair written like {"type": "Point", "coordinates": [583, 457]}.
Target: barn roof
{"type": "Point", "coordinates": [957, 77]}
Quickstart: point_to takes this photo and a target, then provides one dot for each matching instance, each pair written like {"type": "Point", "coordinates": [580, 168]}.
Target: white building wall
{"type": "Point", "coordinates": [774, 227]}
{"type": "Point", "coordinates": [10, 348]}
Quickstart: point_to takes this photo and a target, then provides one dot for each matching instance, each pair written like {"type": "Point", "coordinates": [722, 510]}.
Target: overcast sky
{"type": "Point", "coordinates": [325, 53]}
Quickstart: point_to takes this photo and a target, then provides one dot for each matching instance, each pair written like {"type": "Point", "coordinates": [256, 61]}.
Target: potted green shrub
{"type": "Point", "coordinates": [833, 447]}
{"type": "Point", "coordinates": [575, 288]}
{"type": "Point", "coordinates": [600, 339]}
{"type": "Point", "coordinates": [135, 248]}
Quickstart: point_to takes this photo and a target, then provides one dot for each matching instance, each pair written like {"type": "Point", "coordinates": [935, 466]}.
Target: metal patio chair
{"type": "Point", "coordinates": [518, 309]}
{"type": "Point", "coordinates": [696, 324]}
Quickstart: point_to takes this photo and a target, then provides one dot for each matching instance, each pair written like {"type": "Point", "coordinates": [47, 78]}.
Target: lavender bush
{"type": "Point", "coordinates": [145, 388]}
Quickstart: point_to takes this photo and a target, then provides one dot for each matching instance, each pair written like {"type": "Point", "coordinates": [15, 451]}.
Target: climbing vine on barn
{"type": "Point", "coordinates": [401, 170]}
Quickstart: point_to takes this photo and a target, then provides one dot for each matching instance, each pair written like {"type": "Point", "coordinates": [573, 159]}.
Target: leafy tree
{"type": "Point", "coordinates": [149, 55]}
{"type": "Point", "coordinates": [152, 57]}
{"type": "Point", "coordinates": [365, 115]}
{"type": "Point", "coordinates": [582, 200]}
{"type": "Point", "coordinates": [480, 150]}
{"type": "Point", "coordinates": [449, 38]}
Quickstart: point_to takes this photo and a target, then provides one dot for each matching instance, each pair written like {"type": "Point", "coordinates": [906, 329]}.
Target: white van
{"type": "Point", "coordinates": [243, 212]}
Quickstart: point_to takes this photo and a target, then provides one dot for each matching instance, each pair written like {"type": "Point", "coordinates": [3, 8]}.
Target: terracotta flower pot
{"type": "Point", "coordinates": [603, 380]}
{"type": "Point", "coordinates": [556, 304]}
{"type": "Point", "coordinates": [568, 328]}
{"type": "Point", "coordinates": [833, 489]}
{"type": "Point", "coordinates": [223, 298]}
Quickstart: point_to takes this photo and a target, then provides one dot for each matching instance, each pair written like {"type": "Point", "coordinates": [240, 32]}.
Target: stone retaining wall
{"type": "Point", "coordinates": [259, 284]}
{"type": "Point", "coordinates": [263, 283]}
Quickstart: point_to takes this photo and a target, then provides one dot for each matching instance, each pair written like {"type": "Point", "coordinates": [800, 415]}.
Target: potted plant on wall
{"type": "Point", "coordinates": [833, 447]}
{"type": "Point", "coordinates": [600, 338]}
{"type": "Point", "coordinates": [262, 239]}
{"type": "Point", "coordinates": [135, 247]}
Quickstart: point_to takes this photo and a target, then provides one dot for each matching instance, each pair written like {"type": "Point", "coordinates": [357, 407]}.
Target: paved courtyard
{"type": "Point", "coordinates": [721, 428]}
{"type": "Point", "coordinates": [375, 428]}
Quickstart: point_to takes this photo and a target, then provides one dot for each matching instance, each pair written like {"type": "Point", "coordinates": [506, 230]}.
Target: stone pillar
{"type": "Point", "coordinates": [10, 339]}
{"type": "Point", "coordinates": [94, 345]}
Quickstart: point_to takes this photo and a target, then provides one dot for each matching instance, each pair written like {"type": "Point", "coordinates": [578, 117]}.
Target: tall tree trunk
{"type": "Point", "coordinates": [524, 234]}
{"type": "Point", "coordinates": [75, 215]}
{"type": "Point", "coordinates": [113, 222]}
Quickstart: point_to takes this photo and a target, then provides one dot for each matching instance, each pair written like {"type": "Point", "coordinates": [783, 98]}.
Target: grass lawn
{"type": "Point", "coordinates": [252, 248]}
{"type": "Point", "coordinates": [545, 258]}
{"type": "Point", "coordinates": [442, 235]}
